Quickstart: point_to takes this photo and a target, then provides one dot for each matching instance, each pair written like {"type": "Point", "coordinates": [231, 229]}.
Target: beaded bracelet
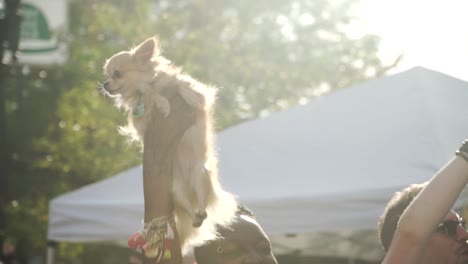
{"type": "Point", "coordinates": [463, 150]}
{"type": "Point", "coordinates": [155, 239]}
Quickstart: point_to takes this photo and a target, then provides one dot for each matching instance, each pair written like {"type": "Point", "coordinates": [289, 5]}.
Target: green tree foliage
{"type": "Point", "coordinates": [264, 55]}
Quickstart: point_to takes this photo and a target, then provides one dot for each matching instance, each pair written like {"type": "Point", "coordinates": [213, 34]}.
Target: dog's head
{"type": "Point", "coordinates": [128, 72]}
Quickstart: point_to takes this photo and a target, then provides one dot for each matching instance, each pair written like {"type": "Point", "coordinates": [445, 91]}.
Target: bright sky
{"type": "Point", "coordinates": [430, 33]}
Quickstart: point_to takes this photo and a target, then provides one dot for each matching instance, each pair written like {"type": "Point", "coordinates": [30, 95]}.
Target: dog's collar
{"type": "Point", "coordinates": [139, 109]}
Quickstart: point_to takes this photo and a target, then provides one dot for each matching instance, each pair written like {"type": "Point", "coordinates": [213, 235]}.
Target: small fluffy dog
{"type": "Point", "coordinates": [135, 79]}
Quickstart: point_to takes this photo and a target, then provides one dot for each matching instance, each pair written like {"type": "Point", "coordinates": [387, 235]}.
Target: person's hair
{"type": "Point", "coordinates": [396, 206]}
{"type": "Point", "coordinates": [204, 258]}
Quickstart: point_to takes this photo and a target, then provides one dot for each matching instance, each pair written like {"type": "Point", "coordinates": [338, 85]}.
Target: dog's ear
{"type": "Point", "coordinates": [146, 51]}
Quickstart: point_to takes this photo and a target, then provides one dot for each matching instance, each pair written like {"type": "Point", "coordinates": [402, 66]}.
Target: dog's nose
{"type": "Point", "coordinates": [106, 84]}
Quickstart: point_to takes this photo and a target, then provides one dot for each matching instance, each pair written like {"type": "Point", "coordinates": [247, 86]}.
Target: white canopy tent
{"type": "Point", "coordinates": [326, 167]}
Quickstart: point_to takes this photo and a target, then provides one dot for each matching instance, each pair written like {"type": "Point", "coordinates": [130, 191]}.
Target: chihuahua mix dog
{"type": "Point", "coordinates": [135, 79]}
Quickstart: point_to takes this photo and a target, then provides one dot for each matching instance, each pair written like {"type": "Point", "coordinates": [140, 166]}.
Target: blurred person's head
{"type": "Point", "coordinates": [447, 244]}
{"type": "Point", "coordinates": [8, 249]}
{"type": "Point", "coordinates": [244, 241]}
{"type": "Point", "coordinates": [395, 208]}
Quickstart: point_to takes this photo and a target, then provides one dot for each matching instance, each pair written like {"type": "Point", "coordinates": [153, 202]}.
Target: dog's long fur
{"type": "Point", "coordinates": [137, 77]}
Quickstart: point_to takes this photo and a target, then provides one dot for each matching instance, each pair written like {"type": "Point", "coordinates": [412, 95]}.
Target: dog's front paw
{"type": "Point", "coordinates": [163, 105]}
{"type": "Point", "coordinates": [192, 98]}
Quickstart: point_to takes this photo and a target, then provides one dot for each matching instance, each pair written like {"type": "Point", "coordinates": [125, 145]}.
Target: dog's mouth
{"type": "Point", "coordinates": [105, 88]}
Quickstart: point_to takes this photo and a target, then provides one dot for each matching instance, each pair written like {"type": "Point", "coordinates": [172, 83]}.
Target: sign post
{"type": "Point", "coordinates": [9, 37]}
{"type": "Point", "coordinates": [37, 30]}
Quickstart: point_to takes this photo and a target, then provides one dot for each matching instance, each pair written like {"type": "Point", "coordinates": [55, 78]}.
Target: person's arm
{"type": "Point", "coordinates": [160, 143]}
{"type": "Point", "coordinates": [426, 211]}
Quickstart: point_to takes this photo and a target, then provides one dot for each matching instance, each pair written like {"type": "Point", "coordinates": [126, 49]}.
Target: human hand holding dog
{"type": "Point", "coordinates": [160, 142]}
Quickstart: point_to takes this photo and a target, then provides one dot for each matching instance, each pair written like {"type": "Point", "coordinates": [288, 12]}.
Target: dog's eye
{"type": "Point", "coordinates": [117, 74]}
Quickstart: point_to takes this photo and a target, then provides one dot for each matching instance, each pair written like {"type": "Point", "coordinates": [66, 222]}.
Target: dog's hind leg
{"type": "Point", "coordinates": [202, 189]}
{"type": "Point", "coordinates": [183, 200]}
{"type": "Point", "coordinates": [182, 197]}
{"type": "Point", "coordinates": [190, 168]}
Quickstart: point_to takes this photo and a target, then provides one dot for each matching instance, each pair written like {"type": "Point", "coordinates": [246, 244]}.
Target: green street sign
{"type": "Point", "coordinates": [34, 27]}
{"type": "Point", "coordinates": [34, 23]}
{"type": "Point", "coordinates": [42, 24]}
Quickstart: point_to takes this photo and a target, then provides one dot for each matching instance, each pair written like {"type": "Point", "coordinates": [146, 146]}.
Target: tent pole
{"type": "Point", "coordinates": [51, 245]}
